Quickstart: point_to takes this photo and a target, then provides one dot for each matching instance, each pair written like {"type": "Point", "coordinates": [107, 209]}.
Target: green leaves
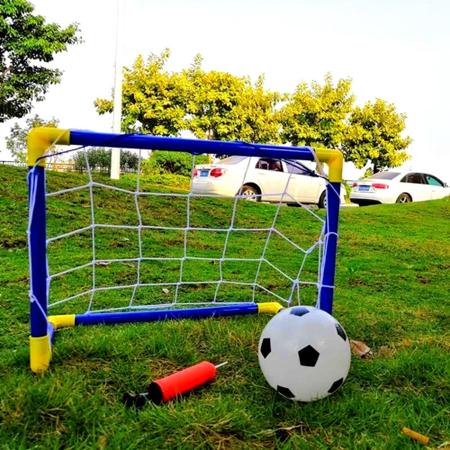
{"type": "Point", "coordinates": [163, 162]}
{"type": "Point", "coordinates": [374, 133]}
{"type": "Point", "coordinates": [221, 106]}
{"type": "Point", "coordinates": [154, 97]}
{"type": "Point", "coordinates": [100, 159]}
{"type": "Point", "coordinates": [325, 116]}
{"type": "Point", "coordinates": [16, 142]}
{"type": "Point", "coordinates": [212, 105]}
{"type": "Point", "coordinates": [316, 115]}
{"type": "Point", "coordinates": [26, 42]}
{"type": "Point", "coordinates": [225, 107]}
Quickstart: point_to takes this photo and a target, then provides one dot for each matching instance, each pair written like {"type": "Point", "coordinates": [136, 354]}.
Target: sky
{"type": "Point", "coordinates": [396, 50]}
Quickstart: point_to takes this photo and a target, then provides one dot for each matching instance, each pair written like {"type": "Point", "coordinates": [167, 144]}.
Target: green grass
{"type": "Point", "coordinates": [392, 293]}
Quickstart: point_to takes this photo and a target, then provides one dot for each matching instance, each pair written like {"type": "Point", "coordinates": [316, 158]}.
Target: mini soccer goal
{"type": "Point", "coordinates": [153, 247]}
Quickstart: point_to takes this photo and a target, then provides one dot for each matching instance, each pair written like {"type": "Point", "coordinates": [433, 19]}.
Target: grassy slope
{"type": "Point", "coordinates": [392, 293]}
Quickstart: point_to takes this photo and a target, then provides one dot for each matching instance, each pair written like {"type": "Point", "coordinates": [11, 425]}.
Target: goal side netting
{"type": "Point", "coordinates": [152, 246]}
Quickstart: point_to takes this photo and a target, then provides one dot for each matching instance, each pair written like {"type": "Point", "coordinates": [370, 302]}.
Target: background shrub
{"type": "Point", "coordinates": [171, 162]}
{"type": "Point", "coordinates": [100, 159]}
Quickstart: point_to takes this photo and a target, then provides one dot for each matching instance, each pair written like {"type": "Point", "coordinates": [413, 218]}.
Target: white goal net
{"type": "Point", "coordinates": [152, 241]}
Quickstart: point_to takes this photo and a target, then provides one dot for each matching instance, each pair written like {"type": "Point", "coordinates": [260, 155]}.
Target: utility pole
{"type": "Point", "coordinates": [117, 109]}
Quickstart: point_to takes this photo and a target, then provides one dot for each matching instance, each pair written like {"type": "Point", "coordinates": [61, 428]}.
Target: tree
{"type": "Point", "coordinates": [129, 161]}
{"type": "Point", "coordinates": [213, 105]}
{"type": "Point", "coordinates": [16, 142]}
{"type": "Point", "coordinates": [316, 115]}
{"type": "Point", "coordinates": [99, 159]}
{"type": "Point", "coordinates": [374, 135]}
{"type": "Point", "coordinates": [324, 116]}
{"type": "Point", "coordinates": [162, 161]}
{"type": "Point", "coordinates": [27, 44]}
{"type": "Point", "coordinates": [151, 95]}
{"type": "Point", "coordinates": [222, 106]}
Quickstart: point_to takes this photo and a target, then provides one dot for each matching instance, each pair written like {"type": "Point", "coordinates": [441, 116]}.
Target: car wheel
{"type": "Point", "coordinates": [323, 200]}
{"type": "Point", "coordinates": [403, 198]}
{"type": "Point", "coordinates": [250, 193]}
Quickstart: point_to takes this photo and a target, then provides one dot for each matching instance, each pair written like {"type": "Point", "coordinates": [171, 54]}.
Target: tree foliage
{"type": "Point", "coordinates": [171, 162]}
{"type": "Point", "coordinates": [99, 159]}
{"type": "Point", "coordinates": [375, 134]}
{"type": "Point", "coordinates": [16, 142]}
{"type": "Point", "coordinates": [27, 44]}
{"type": "Point", "coordinates": [316, 115]}
{"type": "Point", "coordinates": [212, 105]}
{"type": "Point", "coordinates": [324, 115]}
{"type": "Point", "coordinates": [152, 96]}
{"type": "Point", "coordinates": [221, 106]}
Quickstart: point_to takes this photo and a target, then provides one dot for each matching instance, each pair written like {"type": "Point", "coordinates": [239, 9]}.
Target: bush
{"type": "Point", "coordinates": [129, 161]}
{"type": "Point", "coordinates": [171, 162]}
{"type": "Point", "coordinates": [100, 159]}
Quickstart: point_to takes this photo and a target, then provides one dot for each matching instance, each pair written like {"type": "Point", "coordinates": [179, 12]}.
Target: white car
{"type": "Point", "coordinates": [398, 187]}
{"type": "Point", "coordinates": [259, 179]}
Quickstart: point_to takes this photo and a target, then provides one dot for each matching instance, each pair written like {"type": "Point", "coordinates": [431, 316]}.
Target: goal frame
{"type": "Point", "coordinates": [41, 140]}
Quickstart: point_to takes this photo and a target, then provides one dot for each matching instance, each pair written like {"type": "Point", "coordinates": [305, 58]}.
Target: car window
{"type": "Point", "coordinates": [385, 175]}
{"type": "Point", "coordinates": [433, 181]}
{"type": "Point", "coordinates": [269, 164]}
{"type": "Point", "coordinates": [415, 178]}
{"type": "Point", "coordinates": [295, 168]}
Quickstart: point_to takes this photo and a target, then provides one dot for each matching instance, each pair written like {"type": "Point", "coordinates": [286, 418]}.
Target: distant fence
{"type": "Point", "coordinates": [67, 167]}
{"type": "Point", "coordinates": [13, 163]}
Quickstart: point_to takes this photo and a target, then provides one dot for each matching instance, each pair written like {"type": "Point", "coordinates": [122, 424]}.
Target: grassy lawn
{"type": "Point", "coordinates": [392, 293]}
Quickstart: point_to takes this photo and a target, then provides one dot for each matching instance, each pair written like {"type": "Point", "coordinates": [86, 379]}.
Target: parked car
{"type": "Point", "coordinates": [398, 187]}
{"type": "Point", "coordinates": [259, 179]}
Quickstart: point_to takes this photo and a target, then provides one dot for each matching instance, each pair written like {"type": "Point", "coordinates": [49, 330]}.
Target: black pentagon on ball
{"type": "Point", "coordinates": [284, 391]}
{"type": "Point", "coordinates": [265, 347]}
{"type": "Point", "coordinates": [299, 311]}
{"type": "Point", "coordinates": [308, 356]}
{"type": "Point", "coordinates": [336, 385]}
{"type": "Point", "coordinates": [341, 332]}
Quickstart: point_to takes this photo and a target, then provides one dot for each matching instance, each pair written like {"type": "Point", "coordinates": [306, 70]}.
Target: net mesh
{"type": "Point", "coordinates": [148, 242]}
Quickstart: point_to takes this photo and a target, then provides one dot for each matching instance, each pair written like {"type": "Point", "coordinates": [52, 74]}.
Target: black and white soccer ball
{"type": "Point", "coordinates": [304, 353]}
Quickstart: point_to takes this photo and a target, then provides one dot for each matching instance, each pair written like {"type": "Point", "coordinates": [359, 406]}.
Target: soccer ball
{"type": "Point", "coordinates": [304, 353]}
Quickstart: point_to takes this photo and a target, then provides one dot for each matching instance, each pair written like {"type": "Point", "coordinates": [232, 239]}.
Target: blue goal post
{"type": "Point", "coordinates": [40, 143]}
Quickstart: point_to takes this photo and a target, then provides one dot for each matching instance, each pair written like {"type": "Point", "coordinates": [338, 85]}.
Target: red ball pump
{"type": "Point", "coordinates": [178, 383]}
